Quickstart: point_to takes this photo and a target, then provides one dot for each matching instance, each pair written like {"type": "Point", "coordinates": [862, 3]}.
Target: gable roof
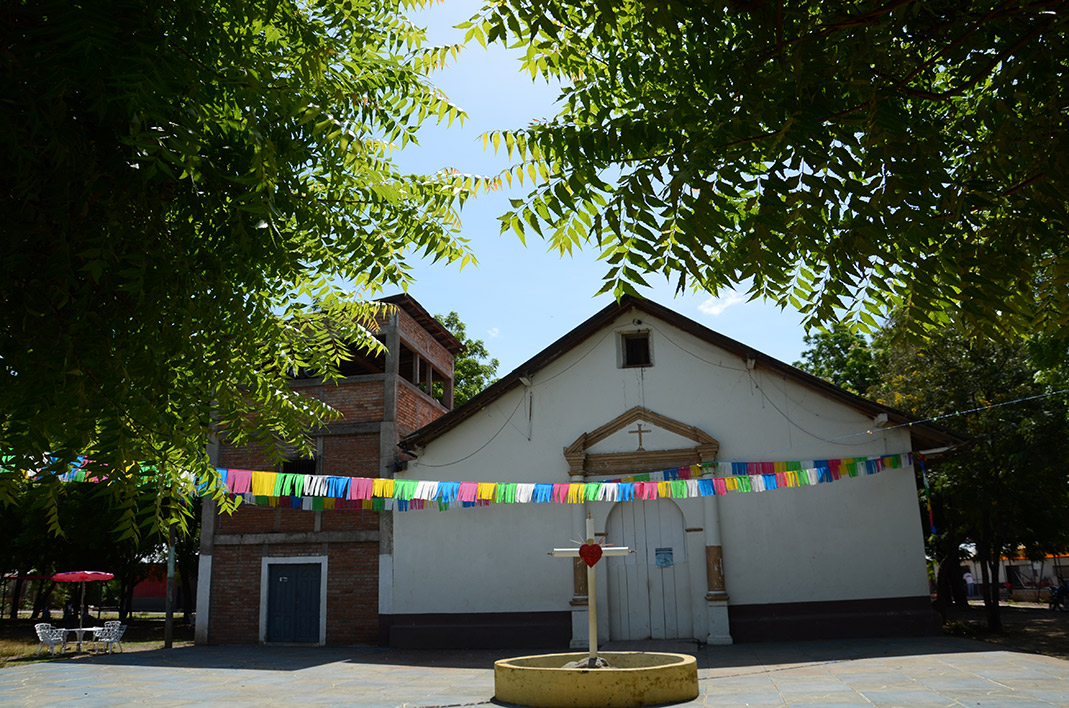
{"type": "Point", "coordinates": [925, 435]}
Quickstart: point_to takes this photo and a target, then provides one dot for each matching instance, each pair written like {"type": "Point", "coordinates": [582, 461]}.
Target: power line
{"type": "Point", "coordinates": [955, 414]}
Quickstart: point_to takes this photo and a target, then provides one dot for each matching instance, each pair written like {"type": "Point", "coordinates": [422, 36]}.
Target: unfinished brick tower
{"type": "Point", "coordinates": [279, 574]}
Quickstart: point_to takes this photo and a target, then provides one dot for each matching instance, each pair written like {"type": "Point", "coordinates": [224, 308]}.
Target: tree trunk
{"type": "Point", "coordinates": [35, 611]}
{"type": "Point", "coordinates": [125, 599]}
{"type": "Point", "coordinates": [943, 592]}
{"type": "Point", "coordinates": [16, 597]}
{"type": "Point", "coordinates": [988, 553]}
{"type": "Point", "coordinates": [43, 597]}
{"type": "Point", "coordinates": [991, 597]}
{"type": "Point", "coordinates": [186, 586]}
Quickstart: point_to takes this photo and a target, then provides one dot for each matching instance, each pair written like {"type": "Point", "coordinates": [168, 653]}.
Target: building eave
{"type": "Point", "coordinates": [923, 434]}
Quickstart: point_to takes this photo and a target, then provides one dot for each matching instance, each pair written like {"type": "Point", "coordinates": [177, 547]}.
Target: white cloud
{"type": "Point", "coordinates": [493, 332]}
{"type": "Point", "coordinates": [716, 305]}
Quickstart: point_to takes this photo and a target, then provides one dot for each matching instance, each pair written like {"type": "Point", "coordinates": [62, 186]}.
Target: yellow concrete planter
{"type": "Point", "coordinates": [638, 679]}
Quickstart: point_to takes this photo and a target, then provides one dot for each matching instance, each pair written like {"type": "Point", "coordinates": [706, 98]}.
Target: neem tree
{"type": "Point", "coordinates": [180, 184]}
{"type": "Point", "coordinates": [844, 158]}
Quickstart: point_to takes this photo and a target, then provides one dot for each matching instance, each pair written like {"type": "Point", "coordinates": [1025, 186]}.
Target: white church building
{"type": "Point", "coordinates": [762, 503]}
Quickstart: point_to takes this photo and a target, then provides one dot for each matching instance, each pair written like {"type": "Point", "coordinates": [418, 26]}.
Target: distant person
{"type": "Point", "coordinates": [46, 615]}
{"type": "Point", "coordinates": [68, 613]}
{"type": "Point", "coordinates": [968, 583]}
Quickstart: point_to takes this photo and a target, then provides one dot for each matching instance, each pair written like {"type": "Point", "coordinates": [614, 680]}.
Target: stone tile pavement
{"type": "Point", "coordinates": [917, 673]}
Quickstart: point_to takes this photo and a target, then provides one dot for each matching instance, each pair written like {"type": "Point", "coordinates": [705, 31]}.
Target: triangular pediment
{"type": "Point", "coordinates": [688, 445]}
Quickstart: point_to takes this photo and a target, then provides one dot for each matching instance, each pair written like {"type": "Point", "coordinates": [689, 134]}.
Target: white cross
{"type": "Point", "coordinates": [591, 590]}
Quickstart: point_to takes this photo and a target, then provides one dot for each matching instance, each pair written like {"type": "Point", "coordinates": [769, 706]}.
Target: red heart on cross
{"type": "Point", "coordinates": [590, 553]}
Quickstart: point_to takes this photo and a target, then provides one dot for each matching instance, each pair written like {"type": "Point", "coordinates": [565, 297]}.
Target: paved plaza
{"type": "Point", "coordinates": [908, 672]}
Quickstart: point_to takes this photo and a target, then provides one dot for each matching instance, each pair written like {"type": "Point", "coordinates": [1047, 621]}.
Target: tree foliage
{"type": "Point", "coordinates": [845, 158]}
{"type": "Point", "coordinates": [841, 356]}
{"type": "Point", "coordinates": [94, 535]}
{"type": "Point", "coordinates": [179, 180]}
{"type": "Point", "coordinates": [1007, 490]}
{"type": "Point", "coordinates": [473, 370]}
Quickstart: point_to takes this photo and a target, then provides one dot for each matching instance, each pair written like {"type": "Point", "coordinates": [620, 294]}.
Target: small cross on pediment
{"type": "Point", "coordinates": [639, 432]}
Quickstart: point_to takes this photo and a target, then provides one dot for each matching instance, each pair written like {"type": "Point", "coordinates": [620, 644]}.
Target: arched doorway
{"type": "Point", "coordinates": [649, 590]}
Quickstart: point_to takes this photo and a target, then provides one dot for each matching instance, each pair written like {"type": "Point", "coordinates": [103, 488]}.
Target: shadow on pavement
{"type": "Point", "coordinates": [739, 656]}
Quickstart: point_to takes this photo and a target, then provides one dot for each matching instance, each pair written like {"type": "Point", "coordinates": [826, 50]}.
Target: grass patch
{"type": "Point", "coordinates": [18, 639]}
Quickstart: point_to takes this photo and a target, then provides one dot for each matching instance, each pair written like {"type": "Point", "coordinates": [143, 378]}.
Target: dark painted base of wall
{"type": "Point", "coordinates": [842, 619]}
{"type": "Point", "coordinates": [793, 621]}
{"type": "Point", "coordinates": [491, 630]}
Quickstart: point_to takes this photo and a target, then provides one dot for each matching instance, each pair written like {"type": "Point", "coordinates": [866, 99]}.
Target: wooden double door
{"type": "Point", "coordinates": [649, 590]}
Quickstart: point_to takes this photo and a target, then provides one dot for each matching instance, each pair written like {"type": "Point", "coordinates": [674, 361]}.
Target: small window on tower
{"type": "Point", "coordinates": [304, 465]}
{"type": "Point", "coordinates": [635, 347]}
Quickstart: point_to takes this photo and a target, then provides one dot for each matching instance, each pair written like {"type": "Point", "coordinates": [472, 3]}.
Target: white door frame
{"type": "Point", "coordinates": [294, 560]}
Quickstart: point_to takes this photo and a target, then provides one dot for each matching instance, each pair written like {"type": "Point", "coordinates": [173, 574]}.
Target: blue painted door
{"type": "Point", "coordinates": [293, 602]}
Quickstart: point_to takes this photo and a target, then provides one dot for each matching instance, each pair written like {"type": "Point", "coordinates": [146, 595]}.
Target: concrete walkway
{"type": "Point", "coordinates": [914, 672]}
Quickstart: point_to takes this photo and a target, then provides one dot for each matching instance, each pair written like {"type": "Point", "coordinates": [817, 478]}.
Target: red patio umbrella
{"type": "Point", "coordinates": [83, 577]}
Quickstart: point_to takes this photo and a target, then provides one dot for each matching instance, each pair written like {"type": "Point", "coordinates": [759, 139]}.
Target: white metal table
{"type": "Point", "coordinates": [80, 633]}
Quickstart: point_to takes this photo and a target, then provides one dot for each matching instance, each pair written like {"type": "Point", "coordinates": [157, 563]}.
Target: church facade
{"type": "Point", "coordinates": [761, 502]}
{"type": "Point", "coordinates": [639, 392]}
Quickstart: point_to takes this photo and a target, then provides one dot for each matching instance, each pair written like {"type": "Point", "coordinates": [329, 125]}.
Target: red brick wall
{"type": "Point", "coordinates": [295, 520]}
{"type": "Point", "coordinates": [349, 520]}
{"type": "Point", "coordinates": [352, 591]}
{"type": "Point", "coordinates": [414, 409]}
{"type": "Point", "coordinates": [243, 458]}
{"type": "Point", "coordinates": [358, 400]}
{"type": "Point", "coordinates": [235, 613]}
{"type": "Point", "coordinates": [354, 455]}
{"type": "Point", "coordinates": [247, 519]}
{"type": "Point", "coordinates": [424, 342]}
{"type": "Point", "coordinates": [352, 567]}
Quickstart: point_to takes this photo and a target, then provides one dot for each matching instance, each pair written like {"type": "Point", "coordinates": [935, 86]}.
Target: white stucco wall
{"type": "Point", "coordinates": [854, 538]}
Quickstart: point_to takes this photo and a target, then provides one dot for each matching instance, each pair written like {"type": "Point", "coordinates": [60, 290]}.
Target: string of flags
{"type": "Point", "coordinates": [317, 492]}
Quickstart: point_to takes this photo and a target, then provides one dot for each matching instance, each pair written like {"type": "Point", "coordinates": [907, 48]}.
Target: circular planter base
{"type": "Point", "coordinates": [636, 679]}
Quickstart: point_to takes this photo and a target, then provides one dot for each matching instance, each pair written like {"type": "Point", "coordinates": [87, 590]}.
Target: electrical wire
{"type": "Point", "coordinates": [483, 446]}
{"type": "Point", "coordinates": [577, 361]}
{"type": "Point", "coordinates": [794, 423]}
{"type": "Point", "coordinates": [955, 414]}
{"type": "Point", "coordinates": [683, 349]}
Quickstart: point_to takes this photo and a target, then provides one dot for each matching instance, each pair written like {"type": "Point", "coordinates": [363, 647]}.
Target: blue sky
{"type": "Point", "coordinates": [520, 299]}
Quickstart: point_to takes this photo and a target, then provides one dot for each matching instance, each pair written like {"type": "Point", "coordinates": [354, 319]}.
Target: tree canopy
{"type": "Point", "coordinates": [1007, 490]}
{"type": "Point", "coordinates": [94, 537]}
{"type": "Point", "coordinates": [846, 158]}
{"type": "Point", "coordinates": [841, 356]}
{"type": "Point", "coordinates": [180, 182]}
{"type": "Point", "coordinates": [473, 370]}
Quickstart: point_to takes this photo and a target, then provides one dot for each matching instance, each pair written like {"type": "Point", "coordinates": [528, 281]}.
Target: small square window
{"type": "Point", "coordinates": [635, 347]}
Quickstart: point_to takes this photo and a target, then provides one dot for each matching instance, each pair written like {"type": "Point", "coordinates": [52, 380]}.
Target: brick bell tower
{"type": "Point", "coordinates": [292, 572]}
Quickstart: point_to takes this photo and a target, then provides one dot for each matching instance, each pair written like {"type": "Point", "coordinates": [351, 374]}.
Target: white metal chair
{"type": "Point", "coordinates": [109, 624]}
{"type": "Point", "coordinates": [111, 637]}
{"type": "Point", "coordinates": [50, 636]}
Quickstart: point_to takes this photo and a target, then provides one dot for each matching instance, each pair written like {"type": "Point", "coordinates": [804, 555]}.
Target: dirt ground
{"type": "Point", "coordinates": [1026, 627]}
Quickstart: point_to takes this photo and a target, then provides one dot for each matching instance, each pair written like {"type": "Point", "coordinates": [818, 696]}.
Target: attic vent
{"type": "Point", "coordinates": [635, 349]}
